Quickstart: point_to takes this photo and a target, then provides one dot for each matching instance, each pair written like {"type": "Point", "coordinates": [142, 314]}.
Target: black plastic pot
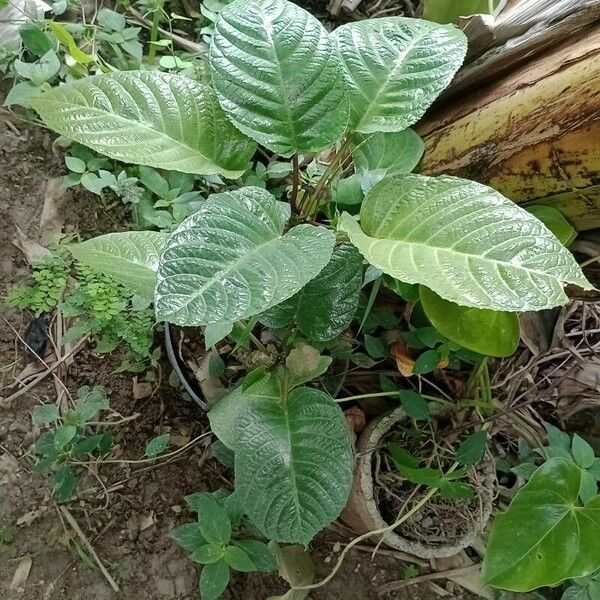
{"type": "Point", "coordinates": [181, 371]}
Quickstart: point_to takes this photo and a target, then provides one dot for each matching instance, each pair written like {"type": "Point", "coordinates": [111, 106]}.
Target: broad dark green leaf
{"type": "Point", "coordinates": [207, 554]}
{"type": "Point", "coordinates": [464, 241]}
{"type": "Point", "coordinates": [238, 559]}
{"type": "Point", "coordinates": [214, 521]}
{"type": "Point", "coordinates": [259, 553]}
{"type": "Point", "coordinates": [293, 464]}
{"type": "Point", "coordinates": [325, 306]}
{"type": "Point", "coordinates": [278, 77]}
{"type": "Point", "coordinates": [213, 580]}
{"type": "Point", "coordinates": [232, 260]}
{"type": "Point", "coordinates": [149, 118]}
{"type": "Point", "coordinates": [395, 68]}
{"type": "Point", "coordinates": [414, 404]}
{"type": "Point", "coordinates": [472, 449]}
{"type": "Point", "coordinates": [189, 536]}
{"type": "Point", "coordinates": [64, 484]}
{"type": "Point", "coordinates": [582, 452]}
{"type": "Point", "coordinates": [544, 537]}
{"type": "Point", "coordinates": [223, 416]}
{"type": "Point", "coordinates": [489, 332]}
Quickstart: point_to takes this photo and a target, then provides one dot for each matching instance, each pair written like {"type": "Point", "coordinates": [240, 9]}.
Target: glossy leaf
{"type": "Point", "coordinates": [130, 258]}
{"type": "Point", "coordinates": [232, 260]}
{"type": "Point", "coordinates": [395, 68]}
{"type": "Point", "coordinates": [489, 332]}
{"type": "Point", "coordinates": [278, 77]}
{"type": "Point", "coordinates": [148, 118]}
{"type": "Point", "coordinates": [554, 220]}
{"type": "Point", "coordinates": [325, 306]}
{"type": "Point", "coordinates": [293, 464]}
{"type": "Point", "coordinates": [583, 453]}
{"type": "Point", "coordinates": [223, 416]}
{"type": "Point", "coordinates": [544, 537]}
{"type": "Point", "coordinates": [388, 154]}
{"type": "Point", "coordinates": [464, 241]}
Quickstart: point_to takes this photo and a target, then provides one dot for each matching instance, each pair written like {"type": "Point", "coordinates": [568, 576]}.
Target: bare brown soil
{"type": "Point", "coordinates": [128, 526]}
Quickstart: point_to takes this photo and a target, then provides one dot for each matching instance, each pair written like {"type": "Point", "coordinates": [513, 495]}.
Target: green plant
{"type": "Point", "coordinates": [278, 79]}
{"type": "Point", "coordinates": [43, 295]}
{"type": "Point", "coordinates": [7, 534]}
{"type": "Point", "coordinates": [583, 588]}
{"type": "Point", "coordinates": [71, 439]}
{"type": "Point", "coordinates": [210, 542]}
{"type": "Point", "coordinates": [555, 513]}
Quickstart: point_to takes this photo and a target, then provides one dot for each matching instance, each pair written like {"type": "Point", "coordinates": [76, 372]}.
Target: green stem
{"type": "Point", "coordinates": [389, 394]}
{"type": "Point", "coordinates": [154, 33]}
{"type": "Point", "coordinates": [313, 201]}
{"type": "Point", "coordinates": [432, 492]}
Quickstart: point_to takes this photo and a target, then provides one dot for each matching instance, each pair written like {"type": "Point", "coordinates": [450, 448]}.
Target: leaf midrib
{"type": "Point", "coordinates": [391, 73]}
{"type": "Point", "coordinates": [227, 270]}
{"type": "Point", "coordinates": [454, 253]}
{"type": "Point", "coordinates": [140, 124]}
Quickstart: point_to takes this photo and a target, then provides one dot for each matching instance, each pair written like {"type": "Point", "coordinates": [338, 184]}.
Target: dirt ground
{"type": "Point", "coordinates": [128, 526]}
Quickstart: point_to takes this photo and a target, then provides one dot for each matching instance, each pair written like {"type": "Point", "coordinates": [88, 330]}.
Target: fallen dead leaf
{"type": "Point", "coordinates": [21, 575]}
{"type": "Point", "coordinates": [51, 222]}
{"type": "Point", "coordinates": [141, 389]}
{"type": "Point", "coordinates": [31, 249]}
{"type": "Point", "coordinates": [147, 521]}
{"type": "Point", "coordinates": [404, 360]}
{"type": "Point", "coordinates": [29, 517]}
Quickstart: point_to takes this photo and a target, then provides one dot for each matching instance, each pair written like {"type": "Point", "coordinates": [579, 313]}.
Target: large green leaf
{"type": "Point", "coordinates": [464, 241]}
{"type": "Point", "coordinates": [223, 416]}
{"type": "Point", "coordinates": [390, 153]}
{"type": "Point", "coordinates": [278, 77]}
{"type": "Point", "coordinates": [149, 118]}
{"type": "Point", "coordinates": [395, 68]}
{"type": "Point", "coordinates": [325, 306]}
{"type": "Point", "coordinates": [231, 260]}
{"type": "Point", "coordinates": [546, 536]}
{"type": "Point", "coordinates": [131, 258]}
{"type": "Point", "coordinates": [293, 464]}
{"type": "Point", "coordinates": [489, 332]}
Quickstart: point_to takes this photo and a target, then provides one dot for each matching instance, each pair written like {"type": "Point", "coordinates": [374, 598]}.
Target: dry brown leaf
{"type": "Point", "coordinates": [404, 360]}
{"type": "Point", "coordinates": [51, 222]}
{"type": "Point", "coordinates": [19, 579]}
{"type": "Point", "coordinates": [31, 249]}
{"type": "Point", "coordinates": [141, 389]}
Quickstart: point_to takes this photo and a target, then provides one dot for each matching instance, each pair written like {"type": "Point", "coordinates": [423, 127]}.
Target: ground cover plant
{"type": "Point", "coordinates": [299, 257]}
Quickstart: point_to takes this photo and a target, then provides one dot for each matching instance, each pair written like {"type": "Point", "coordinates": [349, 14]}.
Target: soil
{"type": "Point", "coordinates": [125, 511]}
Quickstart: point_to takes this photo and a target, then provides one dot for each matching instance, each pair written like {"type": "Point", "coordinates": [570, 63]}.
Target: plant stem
{"type": "Point", "coordinates": [154, 33]}
{"type": "Point", "coordinates": [391, 395]}
{"type": "Point", "coordinates": [295, 182]}
{"type": "Point", "coordinates": [432, 492]}
{"type": "Point", "coordinates": [313, 201]}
